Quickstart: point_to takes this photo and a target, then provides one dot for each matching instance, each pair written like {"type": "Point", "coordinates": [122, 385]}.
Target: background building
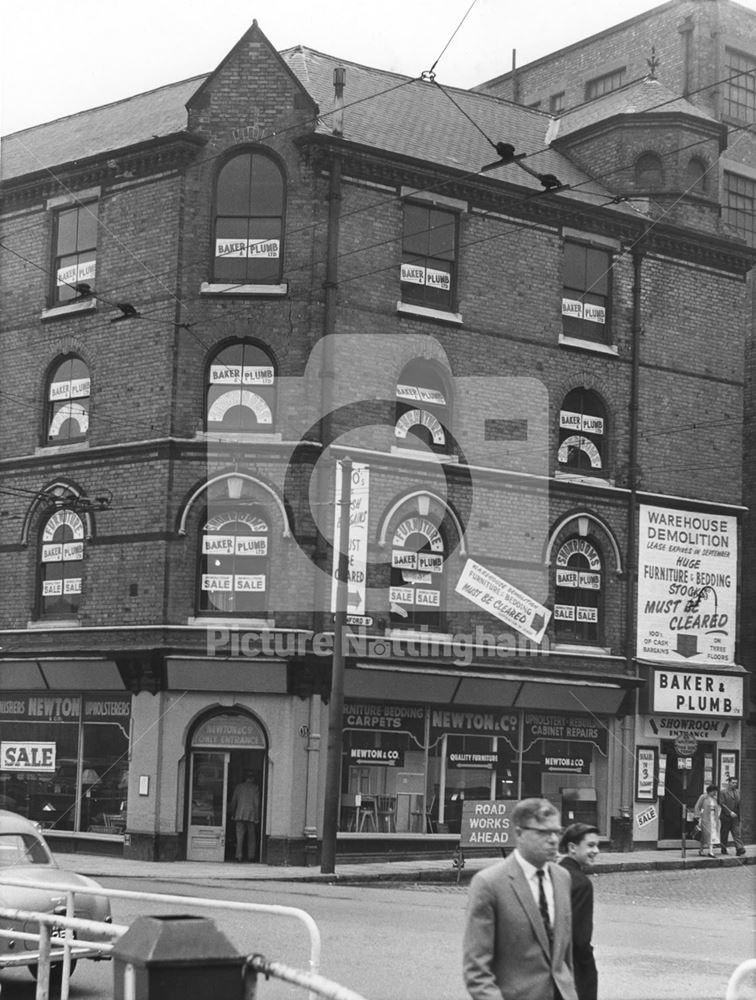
{"type": "Point", "coordinates": [214, 290]}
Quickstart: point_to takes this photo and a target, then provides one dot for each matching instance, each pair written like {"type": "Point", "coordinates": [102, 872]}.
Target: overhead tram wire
{"type": "Point", "coordinates": [430, 74]}
{"type": "Point", "coordinates": [155, 275]}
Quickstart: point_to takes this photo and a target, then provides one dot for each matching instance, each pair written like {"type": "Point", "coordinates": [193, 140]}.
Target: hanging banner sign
{"type": "Point", "coordinates": [687, 586]}
{"type": "Point", "coordinates": [357, 549]}
{"type": "Point", "coordinates": [510, 605]}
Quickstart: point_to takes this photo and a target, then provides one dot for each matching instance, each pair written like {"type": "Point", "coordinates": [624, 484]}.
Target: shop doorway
{"type": "Point", "coordinates": [680, 793]}
{"type": "Point", "coordinates": [223, 748]}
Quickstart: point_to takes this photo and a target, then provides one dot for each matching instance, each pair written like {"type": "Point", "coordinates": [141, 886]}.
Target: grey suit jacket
{"type": "Point", "coordinates": [506, 950]}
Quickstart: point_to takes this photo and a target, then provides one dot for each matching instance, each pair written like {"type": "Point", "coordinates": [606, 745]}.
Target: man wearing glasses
{"type": "Point", "coordinates": [518, 935]}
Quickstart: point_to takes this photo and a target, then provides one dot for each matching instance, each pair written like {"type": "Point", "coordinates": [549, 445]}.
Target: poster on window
{"type": "Point", "coordinates": [646, 774]}
{"type": "Point", "coordinates": [687, 579]}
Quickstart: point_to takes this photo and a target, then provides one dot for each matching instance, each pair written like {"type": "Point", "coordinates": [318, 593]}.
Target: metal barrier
{"type": "Point", "coordinates": [738, 978]}
{"type": "Point", "coordinates": [313, 982]}
{"type": "Point", "coordinates": [70, 947]}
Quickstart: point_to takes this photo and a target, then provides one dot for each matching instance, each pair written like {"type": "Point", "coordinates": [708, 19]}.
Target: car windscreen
{"type": "Point", "coordinates": [21, 849]}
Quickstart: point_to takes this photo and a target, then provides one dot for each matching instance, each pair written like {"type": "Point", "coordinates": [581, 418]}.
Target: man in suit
{"type": "Point", "coordinates": [518, 935]}
{"type": "Point", "coordinates": [729, 818]}
{"type": "Point", "coordinates": [580, 845]}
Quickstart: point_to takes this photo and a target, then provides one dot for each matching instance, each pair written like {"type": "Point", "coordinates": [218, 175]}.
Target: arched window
{"type": "Point", "coordinates": [67, 411]}
{"type": "Point", "coordinates": [241, 390]}
{"type": "Point", "coordinates": [695, 176]}
{"type": "Point", "coordinates": [648, 172]}
{"type": "Point", "coordinates": [418, 555]}
{"type": "Point", "coordinates": [422, 408]}
{"type": "Point", "coordinates": [582, 433]}
{"type": "Point", "coordinates": [62, 563]}
{"type": "Point", "coordinates": [234, 555]}
{"type": "Point", "coordinates": [249, 211]}
{"type": "Point", "coordinates": [578, 590]}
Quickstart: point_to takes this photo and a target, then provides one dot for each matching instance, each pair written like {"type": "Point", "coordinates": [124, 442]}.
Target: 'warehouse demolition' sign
{"type": "Point", "coordinates": [487, 824]}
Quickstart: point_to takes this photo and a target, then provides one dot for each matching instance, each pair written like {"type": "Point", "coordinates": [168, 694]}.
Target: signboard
{"type": "Point", "coordinates": [567, 756]}
{"type": "Point", "coordinates": [563, 726]}
{"type": "Point", "coordinates": [16, 756]}
{"type": "Point", "coordinates": [376, 756]}
{"type": "Point", "coordinates": [685, 744]}
{"type": "Point", "coordinates": [646, 772]}
{"type": "Point", "coordinates": [510, 605]}
{"type": "Point", "coordinates": [694, 692]}
{"type": "Point", "coordinates": [687, 580]}
{"type": "Point", "coordinates": [487, 824]}
{"type": "Point", "coordinates": [728, 765]}
{"type": "Point", "coordinates": [64, 708]}
{"type": "Point", "coordinates": [484, 761]}
{"type": "Point", "coordinates": [645, 817]}
{"type": "Point", "coordinates": [229, 731]}
{"type": "Point", "coordinates": [474, 722]}
{"type": "Point", "coordinates": [357, 549]}
{"type": "Point", "coordinates": [380, 717]}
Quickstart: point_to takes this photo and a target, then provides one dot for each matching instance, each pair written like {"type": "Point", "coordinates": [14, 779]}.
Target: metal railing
{"type": "Point", "coordinates": [72, 948]}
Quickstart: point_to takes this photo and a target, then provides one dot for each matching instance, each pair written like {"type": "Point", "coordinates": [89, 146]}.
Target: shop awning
{"type": "Point", "coordinates": [392, 682]}
{"type": "Point", "coordinates": [53, 674]}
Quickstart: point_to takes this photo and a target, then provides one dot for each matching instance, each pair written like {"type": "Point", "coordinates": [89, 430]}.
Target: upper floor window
{"type": "Point", "coordinates": [605, 83]}
{"type": "Point", "coordinates": [233, 561]}
{"type": "Point", "coordinates": [648, 171]}
{"type": "Point", "coordinates": [249, 215]}
{"type": "Point", "coordinates": [422, 408]}
{"type": "Point", "coordinates": [585, 297]}
{"type": "Point", "coordinates": [67, 412]}
{"type": "Point", "coordinates": [695, 175]}
{"type": "Point", "coordinates": [556, 103]}
{"type": "Point", "coordinates": [740, 88]}
{"type": "Point", "coordinates": [418, 555]}
{"type": "Point", "coordinates": [241, 390]}
{"type": "Point", "coordinates": [429, 248]}
{"type": "Point", "coordinates": [75, 256]}
{"type": "Point", "coordinates": [578, 589]}
{"type": "Point", "coordinates": [62, 563]}
{"type": "Point", "coordinates": [740, 205]}
{"type": "Point", "coordinates": [582, 432]}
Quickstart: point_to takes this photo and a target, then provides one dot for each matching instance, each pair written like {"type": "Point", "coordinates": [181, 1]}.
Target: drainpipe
{"type": "Point", "coordinates": [631, 667]}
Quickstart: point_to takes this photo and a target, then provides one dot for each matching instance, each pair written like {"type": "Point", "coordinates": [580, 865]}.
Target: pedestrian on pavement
{"type": "Point", "coordinates": [518, 933]}
{"type": "Point", "coordinates": [729, 820]}
{"type": "Point", "coordinates": [580, 845]}
{"type": "Point", "coordinates": [245, 811]}
{"type": "Point", "coordinates": [707, 811]}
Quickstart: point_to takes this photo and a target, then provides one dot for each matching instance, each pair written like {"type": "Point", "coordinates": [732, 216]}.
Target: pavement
{"type": "Point", "coordinates": [432, 870]}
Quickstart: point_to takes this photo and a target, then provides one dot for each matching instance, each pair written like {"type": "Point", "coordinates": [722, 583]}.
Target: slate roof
{"type": "Point", "coordinates": [419, 119]}
{"type": "Point", "coordinates": [154, 114]}
{"type": "Point", "coordinates": [384, 110]}
{"type": "Point", "coordinates": [645, 96]}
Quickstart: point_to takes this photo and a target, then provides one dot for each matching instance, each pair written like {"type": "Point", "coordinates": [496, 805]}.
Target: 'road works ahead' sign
{"type": "Point", "coordinates": [487, 824]}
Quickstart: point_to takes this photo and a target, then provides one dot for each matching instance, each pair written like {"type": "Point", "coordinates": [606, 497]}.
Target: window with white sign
{"type": "Point", "coordinates": [241, 390]}
{"type": "Point", "coordinates": [249, 220]}
{"type": "Point", "coordinates": [585, 294]}
{"type": "Point", "coordinates": [67, 394]}
{"type": "Point", "coordinates": [577, 591]}
{"type": "Point", "coordinates": [416, 586]}
{"type": "Point", "coordinates": [422, 408]}
{"type": "Point", "coordinates": [428, 267]}
{"type": "Point", "coordinates": [234, 550]}
{"type": "Point", "coordinates": [61, 564]}
{"type": "Point", "coordinates": [582, 433]}
{"type": "Point", "coordinates": [75, 253]}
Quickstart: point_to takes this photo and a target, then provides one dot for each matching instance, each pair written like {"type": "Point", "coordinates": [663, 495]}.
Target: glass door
{"type": "Point", "coordinates": [206, 840]}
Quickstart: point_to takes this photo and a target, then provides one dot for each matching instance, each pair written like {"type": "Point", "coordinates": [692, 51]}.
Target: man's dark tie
{"type": "Point", "coordinates": [543, 906]}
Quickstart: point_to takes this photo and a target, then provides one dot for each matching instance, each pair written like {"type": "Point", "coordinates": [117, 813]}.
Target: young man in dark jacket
{"type": "Point", "coordinates": [580, 845]}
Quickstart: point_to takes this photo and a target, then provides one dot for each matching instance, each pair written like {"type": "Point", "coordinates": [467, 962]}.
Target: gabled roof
{"type": "Point", "coordinates": [646, 97]}
{"type": "Point", "coordinates": [152, 115]}
{"type": "Point", "coordinates": [420, 119]}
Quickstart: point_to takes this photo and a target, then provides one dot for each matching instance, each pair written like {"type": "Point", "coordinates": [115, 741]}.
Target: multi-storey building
{"type": "Point", "coordinates": [214, 291]}
{"type": "Point", "coordinates": [704, 51]}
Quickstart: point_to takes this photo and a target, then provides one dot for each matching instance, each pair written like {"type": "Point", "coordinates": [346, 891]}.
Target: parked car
{"type": "Point", "coordinates": [24, 855]}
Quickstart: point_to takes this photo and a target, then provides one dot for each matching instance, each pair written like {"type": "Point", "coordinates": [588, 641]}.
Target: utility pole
{"type": "Point", "coordinates": [336, 702]}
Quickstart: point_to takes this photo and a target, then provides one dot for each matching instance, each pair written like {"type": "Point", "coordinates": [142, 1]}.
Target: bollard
{"type": "Point", "coordinates": [176, 958]}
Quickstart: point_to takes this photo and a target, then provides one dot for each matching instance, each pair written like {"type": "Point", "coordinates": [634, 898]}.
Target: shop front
{"type": "Point", "coordinates": [688, 737]}
{"type": "Point", "coordinates": [64, 760]}
{"type": "Point", "coordinates": [408, 766]}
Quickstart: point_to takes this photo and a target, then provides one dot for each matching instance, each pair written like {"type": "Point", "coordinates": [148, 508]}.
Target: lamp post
{"type": "Point", "coordinates": [336, 701]}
